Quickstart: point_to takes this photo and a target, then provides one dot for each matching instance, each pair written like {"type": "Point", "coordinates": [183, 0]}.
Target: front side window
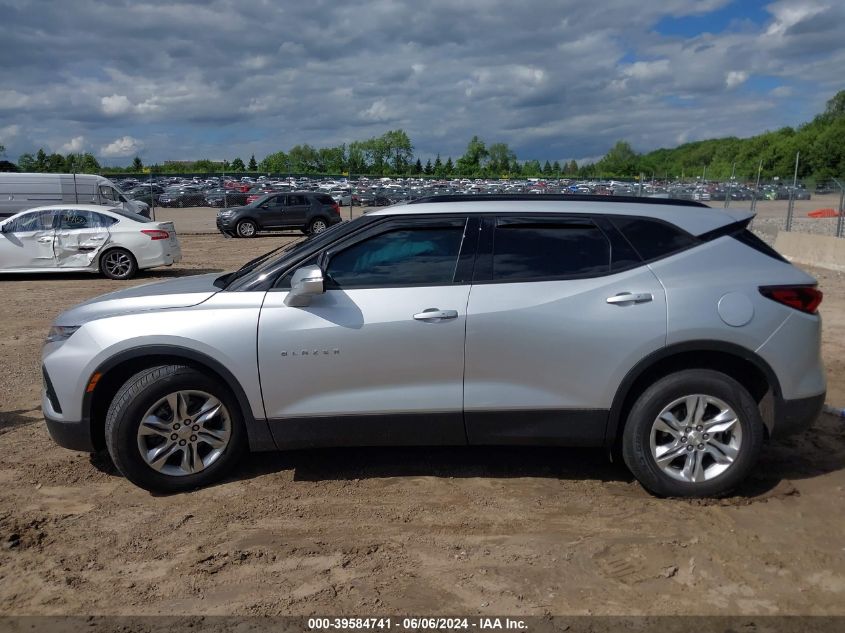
{"type": "Point", "coordinates": [526, 251]}
{"type": "Point", "coordinates": [402, 257]}
{"type": "Point", "coordinates": [108, 193]}
{"type": "Point", "coordinates": [35, 221]}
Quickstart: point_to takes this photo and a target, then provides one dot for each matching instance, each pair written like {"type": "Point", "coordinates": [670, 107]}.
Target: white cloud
{"type": "Point", "coordinates": [782, 91]}
{"type": "Point", "coordinates": [73, 146]}
{"type": "Point", "coordinates": [116, 104]}
{"type": "Point", "coordinates": [647, 71]}
{"type": "Point", "coordinates": [123, 146]}
{"type": "Point", "coordinates": [377, 112]}
{"type": "Point", "coordinates": [735, 78]}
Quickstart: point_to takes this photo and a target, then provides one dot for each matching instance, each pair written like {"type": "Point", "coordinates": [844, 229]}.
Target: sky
{"type": "Point", "coordinates": [554, 79]}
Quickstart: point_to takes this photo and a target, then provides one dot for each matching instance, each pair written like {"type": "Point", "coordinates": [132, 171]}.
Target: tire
{"type": "Point", "coordinates": [145, 397]}
{"type": "Point", "coordinates": [118, 263]}
{"type": "Point", "coordinates": [246, 228]}
{"type": "Point", "coordinates": [317, 225]}
{"type": "Point", "coordinates": [658, 425]}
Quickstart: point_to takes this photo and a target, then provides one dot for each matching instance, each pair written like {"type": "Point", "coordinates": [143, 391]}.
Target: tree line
{"type": "Point", "coordinates": [821, 143]}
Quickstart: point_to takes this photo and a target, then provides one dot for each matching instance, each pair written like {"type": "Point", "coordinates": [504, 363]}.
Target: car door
{"type": "Point", "coordinates": [80, 236]}
{"type": "Point", "coordinates": [561, 309]}
{"type": "Point", "coordinates": [379, 357]}
{"type": "Point", "coordinates": [296, 210]}
{"type": "Point", "coordinates": [271, 212]}
{"type": "Point", "coordinates": [27, 241]}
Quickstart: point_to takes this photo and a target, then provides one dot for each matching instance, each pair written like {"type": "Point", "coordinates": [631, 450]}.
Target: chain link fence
{"type": "Point", "coordinates": [780, 204]}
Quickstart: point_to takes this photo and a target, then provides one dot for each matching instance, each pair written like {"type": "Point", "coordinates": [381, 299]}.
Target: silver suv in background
{"type": "Point", "coordinates": [661, 328]}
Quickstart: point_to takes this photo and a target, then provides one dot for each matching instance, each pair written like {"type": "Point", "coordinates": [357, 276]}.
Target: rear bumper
{"type": "Point", "coordinates": [795, 416]}
{"type": "Point", "coordinates": [73, 435]}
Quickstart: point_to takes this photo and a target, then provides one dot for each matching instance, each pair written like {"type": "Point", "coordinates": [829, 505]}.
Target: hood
{"type": "Point", "coordinates": [177, 293]}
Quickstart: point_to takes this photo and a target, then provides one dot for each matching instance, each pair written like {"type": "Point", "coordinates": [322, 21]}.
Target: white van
{"type": "Point", "coordinates": [19, 192]}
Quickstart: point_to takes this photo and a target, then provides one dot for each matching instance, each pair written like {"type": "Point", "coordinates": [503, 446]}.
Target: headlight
{"type": "Point", "coordinates": [61, 333]}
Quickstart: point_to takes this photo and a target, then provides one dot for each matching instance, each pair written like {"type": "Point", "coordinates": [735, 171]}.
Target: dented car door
{"type": "Point", "coordinates": [80, 236]}
{"type": "Point", "coordinates": [27, 241]}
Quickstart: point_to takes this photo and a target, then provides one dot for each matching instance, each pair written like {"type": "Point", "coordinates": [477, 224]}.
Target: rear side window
{"type": "Point", "coordinates": [654, 239]}
{"type": "Point", "coordinates": [324, 199]}
{"type": "Point", "coordinates": [526, 251]}
{"type": "Point", "coordinates": [296, 200]}
{"type": "Point", "coordinates": [77, 219]}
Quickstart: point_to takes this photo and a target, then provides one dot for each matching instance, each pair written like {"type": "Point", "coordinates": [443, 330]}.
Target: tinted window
{"type": "Point", "coordinates": [296, 200]}
{"type": "Point", "coordinates": [749, 239]}
{"type": "Point", "coordinates": [76, 219]}
{"type": "Point", "coordinates": [403, 257]}
{"type": "Point", "coordinates": [325, 199]}
{"type": "Point", "coordinates": [653, 239]}
{"type": "Point", "coordinates": [524, 251]}
{"type": "Point", "coordinates": [36, 221]}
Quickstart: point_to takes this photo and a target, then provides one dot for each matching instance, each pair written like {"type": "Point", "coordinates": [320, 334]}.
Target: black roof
{"type": "Point", "coordinates": [575, 197]}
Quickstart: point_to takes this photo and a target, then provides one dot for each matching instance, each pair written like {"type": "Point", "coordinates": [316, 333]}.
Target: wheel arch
{"type": "Point", "coordinates": [740, 363]}
{"type": "Point", "coordinates": [115, 371]}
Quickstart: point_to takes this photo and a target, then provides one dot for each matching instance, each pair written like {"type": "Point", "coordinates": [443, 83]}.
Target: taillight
{"type": "Point", "coordinates": [803, 298]}
{"type": "Point", "coordinates": [155, 234]}
{"type": "Point", "coordinates": [336, 207]}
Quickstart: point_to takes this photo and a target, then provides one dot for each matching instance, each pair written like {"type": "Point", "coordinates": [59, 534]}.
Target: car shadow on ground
{"type": "Point", "coordinates": [12, 419]}
{"type": "Point", "coordinates": [819, 451]}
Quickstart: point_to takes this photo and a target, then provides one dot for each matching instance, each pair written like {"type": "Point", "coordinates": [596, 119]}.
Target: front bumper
{"type": "Point", "coordinates": [73, 435]}
{"type": "Point", "coordinates": [795, 416]}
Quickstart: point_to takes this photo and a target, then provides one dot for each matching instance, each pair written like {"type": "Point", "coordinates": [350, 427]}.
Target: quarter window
{"type": "Point", "coordinates": [523, 251]}
{"type": "Point", "coordinates": [402, 257]}
{"type": "Point", "coordinates": [653, 239]}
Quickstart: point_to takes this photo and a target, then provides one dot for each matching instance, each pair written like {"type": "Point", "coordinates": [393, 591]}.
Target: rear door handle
{"type": "Point", "coordinates": [45, 240]}
{"type": "Point", "coordinates": [435, 314]}
{"type": "Point", "coordinates": [629, 298]}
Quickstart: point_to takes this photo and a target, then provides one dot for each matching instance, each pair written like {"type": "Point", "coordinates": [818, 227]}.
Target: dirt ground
{"type": "Point", "coordinates": [401, 531]}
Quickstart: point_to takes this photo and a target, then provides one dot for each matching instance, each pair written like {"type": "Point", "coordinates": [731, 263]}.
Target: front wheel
{"type": "Point", "coordinates": [695, 433]}
{"type": "Point", "coordinates": [118, 263]}
{"type": "Point", "coordinates": [173, 428]}
{"type": "Point", "coordinates": [246, 228]}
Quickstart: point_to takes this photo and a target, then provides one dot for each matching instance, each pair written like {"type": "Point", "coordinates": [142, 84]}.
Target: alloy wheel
{"type": "Point", "coordinates": [184, 433]}
{"type": "Point", "coordinates": [696, 438]}
{"type": "Point", "coordinates": [117, 263]}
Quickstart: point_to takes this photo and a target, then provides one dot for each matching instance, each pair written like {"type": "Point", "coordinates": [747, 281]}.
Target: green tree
{"type": "Point", "coordinates": [556, 168]}
{"type": "Point", "coordinates": [449, 167]}
{"type": "Point", "coordinates": [429, 168]}
{"type": "Point", "coordinates": [40, 160]}
{"type": "Point", "coordinates": [547, 169]}
{"type": "Point", "coordinates": [499, 159]}
{"type": "Point", "coordinates": [470, 163]}
{"type": "Point", "coordinates": [621, 160]}
{"type": "Point", "coordinates": [253, 166]}
{"type": "Point", "coordinates": [418, 168]}
{"type": "Point", "coordinates": [238, 165]}
{"type": "Point", "coordinates": [26, 162]}
{"type": "Point", "coordinates": [438, 169]}
{"type": "Point", "coordinates": [276, 163]}
{"type": "Point", "coordinates": [137, 165]}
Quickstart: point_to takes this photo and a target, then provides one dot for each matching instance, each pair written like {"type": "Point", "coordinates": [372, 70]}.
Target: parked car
{"type": "Point", "coordinates": [85, 238]}
{"type": "Point", "coordinates": [308, 211]}
{"type": "Point", "coordinates": [22, 191]}
{"type": "Point", "coordinates": [181, 197]}
{"type": "Point", "coordinates": [225, 198]}
{"type": "Point", "coordinates": [500, 320]}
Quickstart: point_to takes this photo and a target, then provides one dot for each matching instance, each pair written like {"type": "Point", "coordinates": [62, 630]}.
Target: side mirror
{"type": "Point", "coordinates": [6, 228]}
{"type": "Point", "coordinates": [306, 282]}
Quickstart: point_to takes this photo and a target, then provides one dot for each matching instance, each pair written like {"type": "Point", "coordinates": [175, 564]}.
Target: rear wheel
{"type": "Point", "coordinates": [695, 433]}
{"type": "Point", "coordinates": [246, 228]}
{"type": "Point", "coordinates": [173, 428]}
{"type": "Point", "coordinates": [317, 225]}
{"type": "Point", "coordinates": [118, 263]}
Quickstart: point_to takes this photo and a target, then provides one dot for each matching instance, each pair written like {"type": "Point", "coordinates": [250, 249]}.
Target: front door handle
{"type": "Point", "coordinates": [45, 240]}
{"type": "Point", "coordinates": [435, 314]}
{"type": "Point", "coordinates": [629, 298]}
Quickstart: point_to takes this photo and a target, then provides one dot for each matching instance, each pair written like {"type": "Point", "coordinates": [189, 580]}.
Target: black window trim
{"type": "Point", "coordinates": [484, 259]}
{"type": "Point", "coordinates": [463, 266]}
{"type": "Point", "coordinates": [695, 240]}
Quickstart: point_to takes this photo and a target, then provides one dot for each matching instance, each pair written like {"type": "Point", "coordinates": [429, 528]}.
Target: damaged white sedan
{"type": "Point", "coordinates": [85, 238]}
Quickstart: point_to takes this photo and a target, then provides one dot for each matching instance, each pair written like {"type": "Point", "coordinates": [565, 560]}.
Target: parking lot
{"type": "Point", "coordinates": [379, 531]}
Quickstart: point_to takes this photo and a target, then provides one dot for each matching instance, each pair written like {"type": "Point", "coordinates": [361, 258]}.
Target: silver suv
{"type": "Point", "coordinates": [663, 330]}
